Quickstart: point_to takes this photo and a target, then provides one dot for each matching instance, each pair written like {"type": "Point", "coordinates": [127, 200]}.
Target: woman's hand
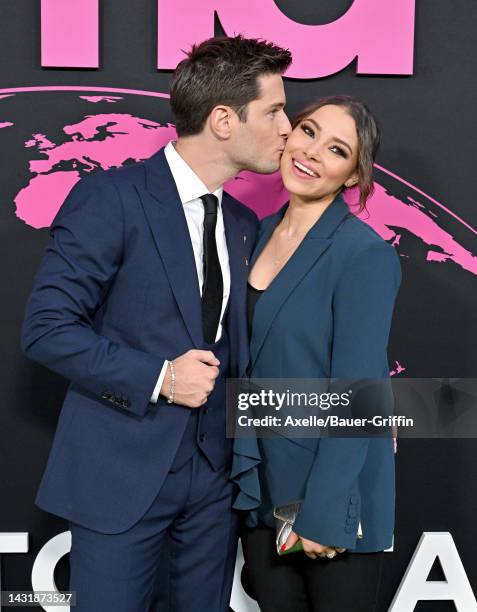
{"type": "Point", "coordinates": [312, 549]}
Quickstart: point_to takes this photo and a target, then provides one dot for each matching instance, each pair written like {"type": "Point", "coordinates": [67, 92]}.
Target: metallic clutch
{"type": "Point", "coordinates": [284, 519]}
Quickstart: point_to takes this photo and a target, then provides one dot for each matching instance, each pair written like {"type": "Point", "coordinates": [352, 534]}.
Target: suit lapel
{"type": "Point", "coordinates": [315, 243]}
{"type": "Point", "coordinates": [168, 223]}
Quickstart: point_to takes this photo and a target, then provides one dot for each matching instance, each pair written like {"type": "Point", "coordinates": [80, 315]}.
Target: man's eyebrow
{"type": "Point", "coordinates": [277, 105]}
{"type": "Point", "coordinates": [318, 127]}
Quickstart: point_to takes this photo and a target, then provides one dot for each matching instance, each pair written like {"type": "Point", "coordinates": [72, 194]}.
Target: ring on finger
{"type": "Point", "coordinates": [331, 554]}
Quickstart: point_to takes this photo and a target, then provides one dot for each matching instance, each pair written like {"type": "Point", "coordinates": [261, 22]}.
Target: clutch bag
{"type": "Point", "coordinates": [284, 519]}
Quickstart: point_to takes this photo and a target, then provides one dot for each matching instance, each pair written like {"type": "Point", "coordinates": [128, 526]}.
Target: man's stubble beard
{"type": "Point", "coordinates": [260, 165]}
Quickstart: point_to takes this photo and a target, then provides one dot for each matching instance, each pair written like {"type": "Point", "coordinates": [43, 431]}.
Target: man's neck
{"type": "Point", "coordinates": [210, 164]}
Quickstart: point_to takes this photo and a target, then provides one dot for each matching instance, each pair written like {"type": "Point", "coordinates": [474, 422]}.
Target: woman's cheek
{"type": "Point", "coordinates": [337, 171]}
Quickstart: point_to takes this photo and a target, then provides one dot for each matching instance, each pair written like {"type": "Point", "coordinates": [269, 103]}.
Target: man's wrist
{"type": "Point", "coordinates": [160, 384]}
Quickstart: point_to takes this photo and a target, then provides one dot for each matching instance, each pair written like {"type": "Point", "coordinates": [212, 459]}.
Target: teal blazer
{"type": "Point", "coordinates": [327, 314]}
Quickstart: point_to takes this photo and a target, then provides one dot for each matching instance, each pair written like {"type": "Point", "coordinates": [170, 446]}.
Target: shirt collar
{"type": "Point", "coordinates": [188, 184]}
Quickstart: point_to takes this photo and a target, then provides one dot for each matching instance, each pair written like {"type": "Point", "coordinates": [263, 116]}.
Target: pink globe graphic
{"type": "Point", "coordinates": [113, 128]}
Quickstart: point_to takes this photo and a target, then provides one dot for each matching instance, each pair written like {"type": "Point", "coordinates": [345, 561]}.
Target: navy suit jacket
{"type": "Point", "coordinates": [116, 294]}
{"type": "Point", "coordinates": [327, 314]}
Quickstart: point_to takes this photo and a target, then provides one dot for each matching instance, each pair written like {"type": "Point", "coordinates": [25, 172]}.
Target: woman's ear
{"type": "Point", "coordinates": [352, 181]}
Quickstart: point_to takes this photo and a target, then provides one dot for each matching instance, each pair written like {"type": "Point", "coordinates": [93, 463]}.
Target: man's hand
{"type": "Point", "coordinates": [310, 548]}
{"type": "Point", "coordinates": [195, 374]}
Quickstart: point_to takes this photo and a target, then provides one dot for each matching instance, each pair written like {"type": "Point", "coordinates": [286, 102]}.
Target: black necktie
{"type": "Point", "coordinates": [213, 287]}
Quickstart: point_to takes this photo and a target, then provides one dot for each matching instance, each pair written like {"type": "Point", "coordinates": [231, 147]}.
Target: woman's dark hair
{"type": "Point", "coordinates": [221, 70]}
{"type": "Point", "coordinates": [368, 138]}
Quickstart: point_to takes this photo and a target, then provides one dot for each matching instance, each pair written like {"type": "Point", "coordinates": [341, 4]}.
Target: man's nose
{"type": "Point", "coordinates": [285, 126]}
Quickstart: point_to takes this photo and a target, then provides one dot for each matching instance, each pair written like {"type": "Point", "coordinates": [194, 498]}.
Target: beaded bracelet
{"type": "Point", "coordinates": [170, 399]}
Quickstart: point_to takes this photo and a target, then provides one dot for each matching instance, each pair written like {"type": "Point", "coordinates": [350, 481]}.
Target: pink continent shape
{"type": "Point", "coordinates": [127, 138]}
{"type": "Point", "coordinates": [387, 212]}
{"type": "Point", "coordinates": [96, 99]}
{"type": "Point", "coordinates": [49, 189]}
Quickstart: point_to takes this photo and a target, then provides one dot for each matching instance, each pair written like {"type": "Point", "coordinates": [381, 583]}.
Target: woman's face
{"type": "Point", "coordinates": [321, 154]}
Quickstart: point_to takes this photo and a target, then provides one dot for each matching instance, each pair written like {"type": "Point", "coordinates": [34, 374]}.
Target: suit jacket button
{"type": "Point", "coordinates": [202, 437]}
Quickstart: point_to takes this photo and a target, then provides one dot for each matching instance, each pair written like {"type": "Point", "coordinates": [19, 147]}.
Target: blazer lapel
{"type": "Point", "coordinates": [168, 223]}
{"type": "Point", "coordinates": [315, 243]}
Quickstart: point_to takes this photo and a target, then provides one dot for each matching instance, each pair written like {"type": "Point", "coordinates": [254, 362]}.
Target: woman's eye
{"type": "Point", "coordinates": [338, 151]}
{"type": "Point", "coordinates": [308, 131]}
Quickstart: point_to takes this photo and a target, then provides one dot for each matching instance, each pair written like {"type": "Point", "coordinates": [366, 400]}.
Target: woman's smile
{"type": "Point", "coordinates": [303, 170]}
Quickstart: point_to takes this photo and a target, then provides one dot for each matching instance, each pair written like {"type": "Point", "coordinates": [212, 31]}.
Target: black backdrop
{"type": "Point", "coordinates": [429, 135]}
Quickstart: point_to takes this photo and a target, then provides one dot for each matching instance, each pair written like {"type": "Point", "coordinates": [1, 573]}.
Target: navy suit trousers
{"type": "Point", "coordinates": [116, 573]}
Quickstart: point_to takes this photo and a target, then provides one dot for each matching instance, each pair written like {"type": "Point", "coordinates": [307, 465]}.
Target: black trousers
{"type": "Point", "coordinates": [294, 582]}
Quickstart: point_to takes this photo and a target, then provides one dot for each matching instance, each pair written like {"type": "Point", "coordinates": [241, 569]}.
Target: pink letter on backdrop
{"type": "Point", "coordinates": [379, 33]}
{"type": "Point", "coordinates": [69, 33]}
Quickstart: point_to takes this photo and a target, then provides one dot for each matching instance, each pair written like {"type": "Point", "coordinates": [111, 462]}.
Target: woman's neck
{"type": "Point", "coordinates": [301, 215]}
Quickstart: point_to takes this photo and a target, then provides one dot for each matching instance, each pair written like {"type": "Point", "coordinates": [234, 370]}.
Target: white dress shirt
{"type": "Point", "coordinates": [190, 189]}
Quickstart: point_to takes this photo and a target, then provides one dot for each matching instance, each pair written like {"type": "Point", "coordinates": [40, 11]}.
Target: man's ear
{"type": "Point", "coordinates": [221, 121]}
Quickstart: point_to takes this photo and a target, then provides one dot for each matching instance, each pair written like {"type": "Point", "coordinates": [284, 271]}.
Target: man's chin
{"type": "Point", "coordinates": [266, 169]}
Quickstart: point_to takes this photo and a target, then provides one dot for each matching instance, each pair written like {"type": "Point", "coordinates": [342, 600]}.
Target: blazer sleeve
{"type": "Point", "coordinates": [363, 304]}
{"type": "Point", "coordinates": [78, 268]}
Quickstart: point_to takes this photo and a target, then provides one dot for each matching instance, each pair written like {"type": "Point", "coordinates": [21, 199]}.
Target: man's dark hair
{"type": "Point", "coordinates": [222, 70]}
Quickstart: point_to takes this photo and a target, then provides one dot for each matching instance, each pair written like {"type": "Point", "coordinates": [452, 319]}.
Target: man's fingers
{"type": "Point", "coordinates": [214, 372]}
{"type": "Point", "coordinates": [207, 357]}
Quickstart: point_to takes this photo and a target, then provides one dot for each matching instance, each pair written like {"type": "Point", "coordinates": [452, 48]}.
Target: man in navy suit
{"type": "Point", "coordinates": [140, 302]}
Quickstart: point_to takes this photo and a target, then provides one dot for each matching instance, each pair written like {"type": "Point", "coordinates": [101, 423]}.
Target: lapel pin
{"type": "Point", "coordinates": [244, 237]}
{"type": "Point", "coordinates": [246, 261]}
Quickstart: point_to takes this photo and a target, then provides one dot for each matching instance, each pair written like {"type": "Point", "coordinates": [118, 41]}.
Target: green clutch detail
{"type": "Point", "coordinates": [298, 547]}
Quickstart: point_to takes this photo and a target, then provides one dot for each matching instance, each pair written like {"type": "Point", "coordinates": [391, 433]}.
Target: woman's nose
{"type": "Point", "coordinates": [312, 151]}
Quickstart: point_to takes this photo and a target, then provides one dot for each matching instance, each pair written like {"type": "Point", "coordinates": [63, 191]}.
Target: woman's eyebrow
{"type": "Point", "coordinates": [318, 127]}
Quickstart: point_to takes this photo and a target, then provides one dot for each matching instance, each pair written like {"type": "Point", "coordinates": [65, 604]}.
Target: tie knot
{"type": "Point", "coordinates": [210, 203]}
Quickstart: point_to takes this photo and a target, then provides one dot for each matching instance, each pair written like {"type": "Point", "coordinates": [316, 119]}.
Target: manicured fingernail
{"type": "Point", "coordinates": [283, 547]}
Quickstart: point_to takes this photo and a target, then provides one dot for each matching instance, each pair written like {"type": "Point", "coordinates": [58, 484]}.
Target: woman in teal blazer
{"type": "Point", "coordinates": [322, 288]}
